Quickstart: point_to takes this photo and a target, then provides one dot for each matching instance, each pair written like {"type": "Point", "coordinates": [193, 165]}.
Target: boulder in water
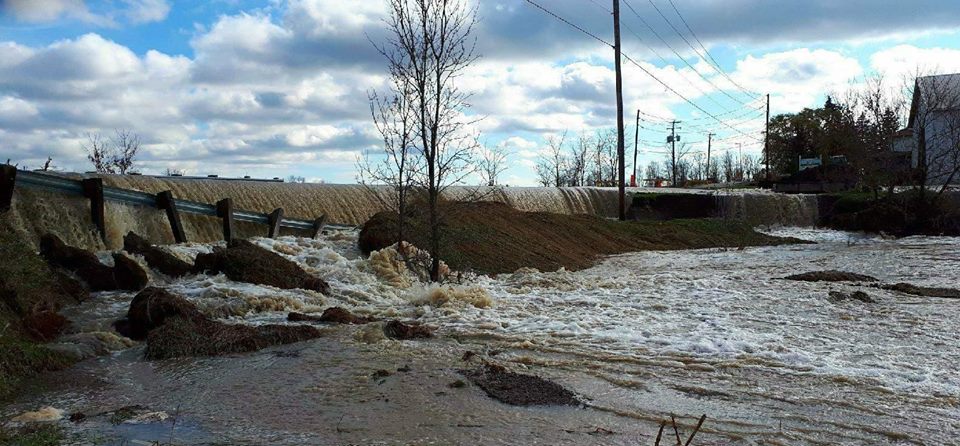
{"type": "Point", "coordinates": [71, 286]}
{"type": "Point", "coordinates": [128, 273]}
{"type": "Point", "coordinates": [83, 263]}
{"type": "Point", "coordinates": [244, 261]}
{"type": "Point", "coordinates": [173, 327]}
{"type": "Point", "coordinates": [334, 315]}
{"type": "Point", "coordinates": [907, 288]}
{"type": "Point", "coordinates": [157, 258]}
{"type": "Point", "coordinates": [151, 308]}
{"type": "Point", "coordinates": [518, 389]}
{"type": "Point", "coordinates": [839, 296]}
{"type": "Point", "coordinates": [399, 330]}
{"type": "Point", "coordinates": [186, 337]}
{"type": "Point", "coordinates": [831, 276]}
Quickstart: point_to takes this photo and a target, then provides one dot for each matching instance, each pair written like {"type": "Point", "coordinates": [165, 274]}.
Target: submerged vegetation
{"type": "Point", "coordinates": [492, 238]}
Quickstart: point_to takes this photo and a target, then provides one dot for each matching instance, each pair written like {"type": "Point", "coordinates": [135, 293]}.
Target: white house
{"type": "Point", "coordinates": [935, 121]}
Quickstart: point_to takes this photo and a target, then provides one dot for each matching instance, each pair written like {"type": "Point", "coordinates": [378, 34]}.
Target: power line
{"type": "Point", "coordinates": [641, 67]}
{"type": "Point", "coordinates": [577, 27]}
{"type": "Point", "coordinates": [677, 53]}
{"type": "Point", "coordinates": [710, 56]}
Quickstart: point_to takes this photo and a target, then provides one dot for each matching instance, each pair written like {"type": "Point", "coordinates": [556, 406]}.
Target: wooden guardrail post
{"type": "Point", "coordinates": [275, 218]}
{"type": "Point", "coordinates": [8, 178]}
{"type": "Point", "coordinates": [93, 190]}
{"type": "Point", "coordinates": [166, 202]}
{"type": "Point", "coordinates": [225, 211]}
{"type": "Point", "coordinates": [318, 225]}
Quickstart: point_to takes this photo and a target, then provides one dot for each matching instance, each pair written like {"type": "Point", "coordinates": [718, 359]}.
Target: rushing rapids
{"type": "Point", "coordinates": [638, 337]}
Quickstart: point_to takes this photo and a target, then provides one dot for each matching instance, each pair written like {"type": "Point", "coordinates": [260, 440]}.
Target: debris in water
{"type": "Point", "coordinates": [44, 415]}
{"type": "Point", "coordinates": [518, 389]}
{"type": "Point", "coordinates": [334, 315]}
{"type": "Point", "coordinates": [399, 330]}
{"type": "Point", "coordinates": [907, 288]}
{"type": "Point", "coordinates": [831, 276]}
{"type": "Point", "coordinates": [839, 296]}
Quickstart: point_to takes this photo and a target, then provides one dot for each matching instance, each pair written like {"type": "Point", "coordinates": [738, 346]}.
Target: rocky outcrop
{"type": "Point", "coordinates": [335, 315]}
{"type": "Point", "coordinates": [84, 264]}
{"type": "Point", "coordinates": [173, 327]}
{"type": "Point", "coordinates": [831, 276]}
{"type": "Point", "coordinates": [401, 331]}
{"type": "Point", "coordinates": [128, 273]}
{"type": "Point", "coordinates": [244, 261]}
{"type": "Point", "coordinates": [518, 389]}
{"type": "Point", "coordinates": [71, 287]}
{"type": "Point", "coordinates": [907, 288]}
{"type": "Point", "coordinates": [157, 258]}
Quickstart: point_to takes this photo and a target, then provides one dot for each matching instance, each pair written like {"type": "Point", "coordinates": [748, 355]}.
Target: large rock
{"type": "Point", "coordinates": [44, 325]}
{"type": "Point", "coordinates": [157, 258]}
{"type": "Point", "coordinates": [128, 273]}
{"type": "Point", "coordinates": [84, 264]}
{"type": "Point", "coordinates": [335, 315]}
{"type": "Point", "coordinates": [244, 261]}
{"type": "Point", "coordinates": [151, 308]}
{"type": "Point", "coordinates": [831, 276]}
{"type": "Point", "coordinates": [907, 288]}
{"type": "Point", "coordinates": [518, 389]}
{"type": "Point", "coordinates": [70, 286]}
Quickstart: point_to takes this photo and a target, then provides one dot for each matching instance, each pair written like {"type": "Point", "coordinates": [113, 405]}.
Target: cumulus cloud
{"type": "Point", "coordinates": [42, 11]}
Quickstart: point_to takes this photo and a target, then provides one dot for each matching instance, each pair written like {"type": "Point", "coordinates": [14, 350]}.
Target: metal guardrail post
{"type": "Point", "coordinates": [275, 218]}
{"type": "Point", "coordinates": [8, 178]}
{"type": "Point", "coordinates": [166, 202]}
{"type": "Point", "coordinates": [93, 190]}
{"type": "Point", "coordinates": [225, 211]}
{"type": "Point", "coordinates": [318, 225]}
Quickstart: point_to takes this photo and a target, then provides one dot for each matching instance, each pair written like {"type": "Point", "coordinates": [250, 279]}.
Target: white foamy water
{"type": "Point", "coordinates": [639, 335]}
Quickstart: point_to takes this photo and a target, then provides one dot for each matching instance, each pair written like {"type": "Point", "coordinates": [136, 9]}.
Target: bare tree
{"type": "Point", "coordinates": [493, 162]}
{"type": "Point", "coordinates": [579, 154]}
{"type": "Point", "coordinates": [728, 164]}
{"type": "Point", "coordinates": [653, 171]}
{"type": "Point", "coordinates": [429, 47]}
{"type": "Point", "coordinates": [553, 164]}
{"type": "Point", "coordinates": [395, 166]}
{"type": "Point", "coordinates": [115, 155]}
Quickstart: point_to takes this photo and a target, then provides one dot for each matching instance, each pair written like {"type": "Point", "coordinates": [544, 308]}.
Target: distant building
{"type": "Point", "coordinates": [935, 117]}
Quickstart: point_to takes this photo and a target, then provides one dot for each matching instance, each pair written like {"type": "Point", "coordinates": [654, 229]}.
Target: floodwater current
{"type": "Point", "coordinates": [638, 337]}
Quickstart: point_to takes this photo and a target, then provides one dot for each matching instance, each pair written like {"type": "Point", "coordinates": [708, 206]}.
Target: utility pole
{"type": "Point", "coordinates": [709, 146]}
{"type": "Point", "coordinates": [636, 142]}
{"type": "Point", "coordinates": [620, 150]}
{"type": "Point", "coordinates": [673, 152]}
{"type": "Point", "coordinates": [740, 159]}
{"type": "Point", "coordinates": [766, 141]}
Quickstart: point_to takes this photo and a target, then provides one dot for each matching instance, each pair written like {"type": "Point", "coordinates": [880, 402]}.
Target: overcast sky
{"type": "Point", "coordinates": [280, 87]}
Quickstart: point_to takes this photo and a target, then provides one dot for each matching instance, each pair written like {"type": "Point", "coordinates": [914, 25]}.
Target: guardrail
{"type": "Point", "coordinates": [94, 190]}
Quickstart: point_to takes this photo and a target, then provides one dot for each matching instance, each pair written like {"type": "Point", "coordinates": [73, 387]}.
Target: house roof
{"type": "Point", "coordinates": [942, 92]}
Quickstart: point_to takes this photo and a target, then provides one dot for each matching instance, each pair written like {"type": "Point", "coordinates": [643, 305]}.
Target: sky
{"type": "Point", "coordinates": [280, 87]}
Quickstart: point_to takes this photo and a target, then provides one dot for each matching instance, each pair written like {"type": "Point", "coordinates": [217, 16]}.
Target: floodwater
{"type": "Point", "coordinates": [639, 337]}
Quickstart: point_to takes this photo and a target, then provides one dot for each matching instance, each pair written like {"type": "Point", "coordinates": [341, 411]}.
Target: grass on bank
{"type": "Point", "coordinates": [26, 282]}
{"type": "Point", "coordinates": [32, 435]}
{"type": "Point", "coordinates": [492, 238]}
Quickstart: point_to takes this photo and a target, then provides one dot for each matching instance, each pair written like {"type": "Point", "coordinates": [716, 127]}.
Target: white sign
{"type": "Point", "coordinates": [810, 163]}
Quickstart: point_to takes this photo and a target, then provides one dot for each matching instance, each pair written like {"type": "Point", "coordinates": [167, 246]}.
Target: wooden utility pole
{"type": "Point", "coordinates": [636, 143]}
{"type": "Point", "coordinates": [673, 152]}
{"type": "Point", "coordinates": [766, 141]}
{"type": "Point", "coordinates": [620, 150]}
{"type": "Point", "coordinates": [709, 146]}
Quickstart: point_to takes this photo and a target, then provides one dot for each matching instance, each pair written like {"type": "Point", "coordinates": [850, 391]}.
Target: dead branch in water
{"type": "Point", "coordinates": [676, 431]}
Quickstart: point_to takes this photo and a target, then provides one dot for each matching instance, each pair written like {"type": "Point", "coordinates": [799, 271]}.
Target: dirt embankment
{"type": "Point", "coordinates": [492, 238]}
